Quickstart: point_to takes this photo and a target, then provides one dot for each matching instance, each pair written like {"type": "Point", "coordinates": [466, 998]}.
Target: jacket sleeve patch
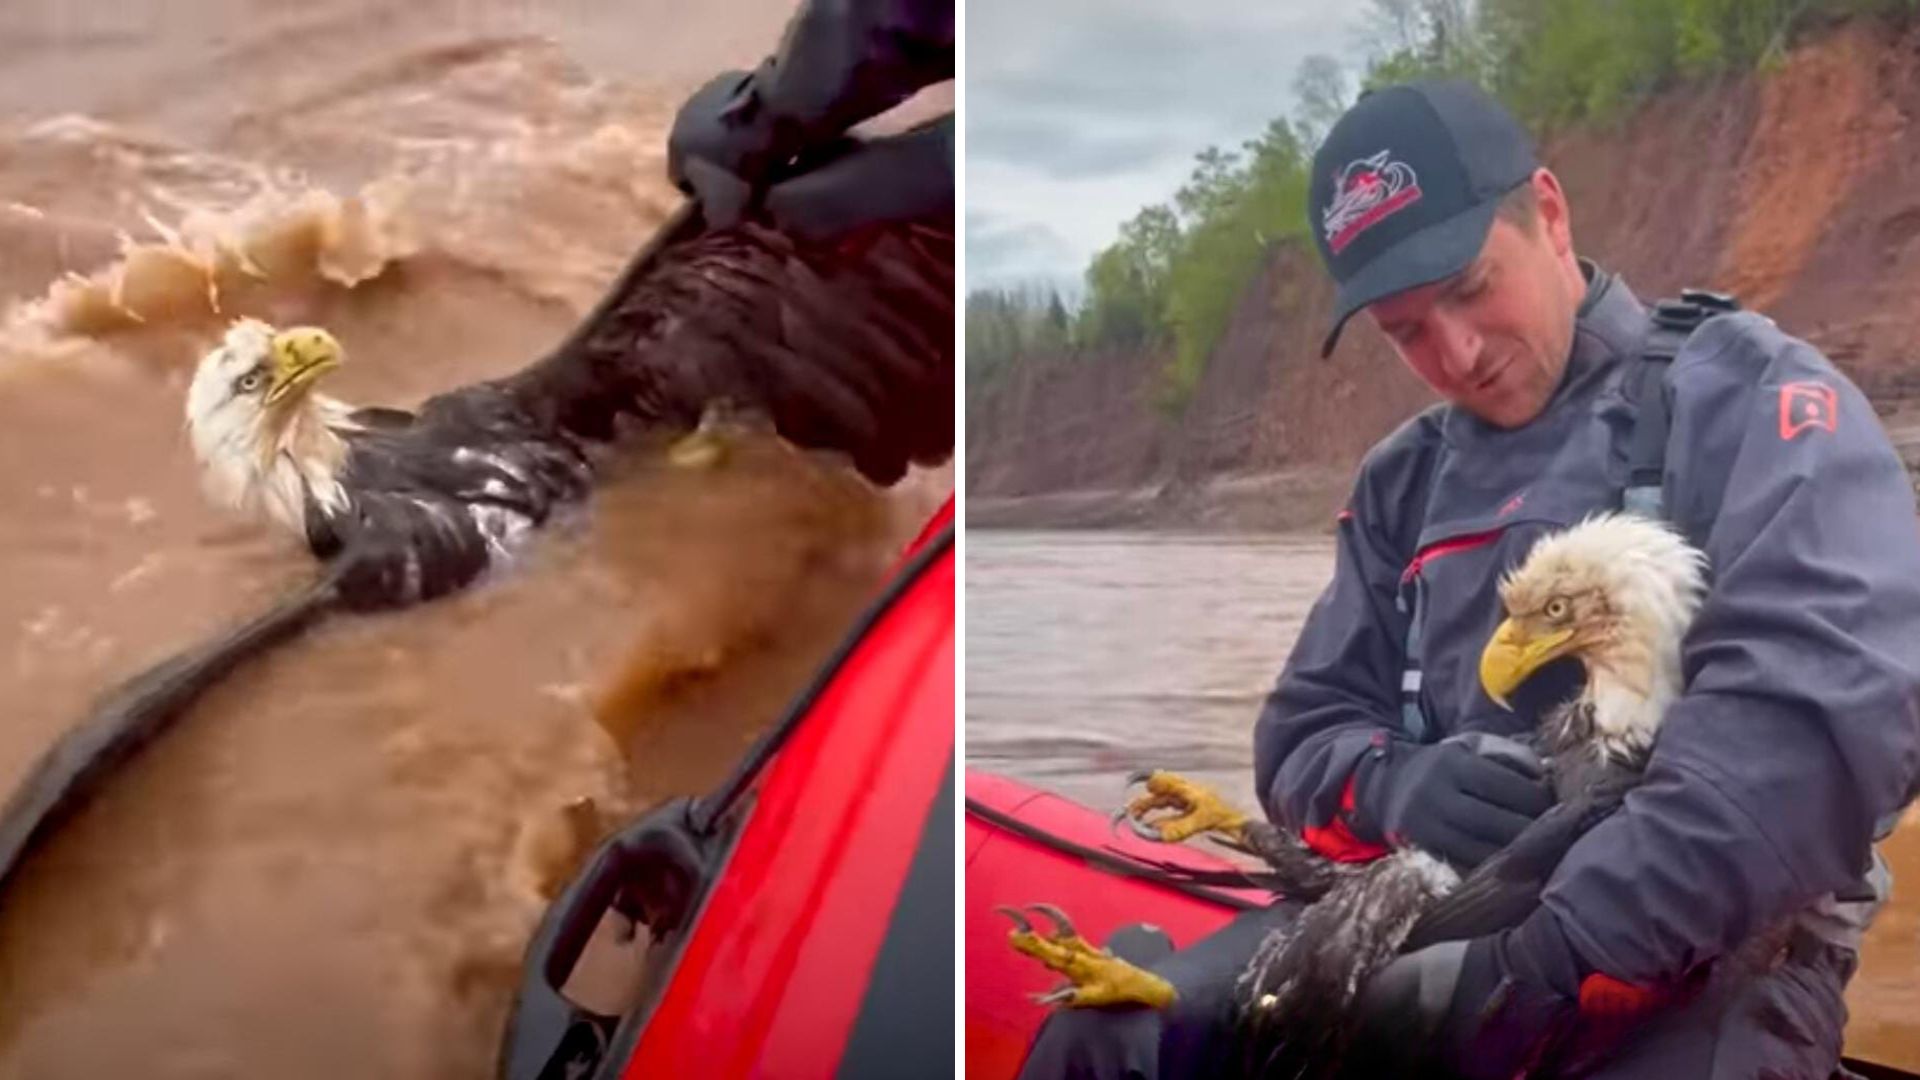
{"type": "Point", "coordinates": [1805, 406]}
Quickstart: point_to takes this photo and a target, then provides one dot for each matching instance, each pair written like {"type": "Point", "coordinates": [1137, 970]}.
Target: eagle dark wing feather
{"type": "Point", "coordinates": [1298, 994]}
{"type": "Point", "coordinates": [1297, 871]}
{"type": "Point", "coordinates": [845, 345]}
{"type": "Point", "coordinates": [1296, 999]}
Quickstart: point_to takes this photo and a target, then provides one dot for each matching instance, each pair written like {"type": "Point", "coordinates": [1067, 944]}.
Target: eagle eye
{"type": "Point", "coordinates": [1556, 608]}
{"type": "Point", "coordinates": [248, 383]}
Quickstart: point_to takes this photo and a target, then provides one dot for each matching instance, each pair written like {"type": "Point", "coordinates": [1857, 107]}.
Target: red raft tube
{"type": "Point", "coordinates": [1025, 846]}
{"type": "Point", "coordinates": [801, 916]}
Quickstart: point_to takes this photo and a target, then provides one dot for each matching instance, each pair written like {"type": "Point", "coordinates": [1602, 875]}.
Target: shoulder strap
{"type": "Point", "coordinates": [1409, 601]}
{"type": "Point", "coordinates": [1674, 321]}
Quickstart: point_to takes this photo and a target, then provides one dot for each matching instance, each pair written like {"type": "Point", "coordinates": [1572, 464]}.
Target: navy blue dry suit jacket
{"type": "Point", "coordinates": [1798, 731]}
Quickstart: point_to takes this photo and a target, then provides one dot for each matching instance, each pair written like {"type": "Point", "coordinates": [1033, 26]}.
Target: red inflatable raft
{"type": "Point", "coordinates": [1024, 846]}
{"type": "Point", "coordinates": [802, 914]}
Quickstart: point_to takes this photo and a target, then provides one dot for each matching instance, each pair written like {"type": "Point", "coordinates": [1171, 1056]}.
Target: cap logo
{"type": "Point", "coordinates": [1366, 192]}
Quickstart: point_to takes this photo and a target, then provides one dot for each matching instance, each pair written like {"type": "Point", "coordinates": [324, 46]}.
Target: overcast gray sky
{"type": "Point", "coordinates": [1080, 112]}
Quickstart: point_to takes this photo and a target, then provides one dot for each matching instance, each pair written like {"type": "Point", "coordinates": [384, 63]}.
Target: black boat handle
{"type": "Point", "coordinates": [653, 872]}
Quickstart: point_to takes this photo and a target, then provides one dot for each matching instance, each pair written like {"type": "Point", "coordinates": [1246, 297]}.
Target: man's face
{"type": "Point", "coordinates": [1494, 338]}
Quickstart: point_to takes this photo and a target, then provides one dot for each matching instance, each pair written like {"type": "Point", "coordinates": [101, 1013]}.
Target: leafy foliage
{"type": "Point", "coordinates": [1005, 325]}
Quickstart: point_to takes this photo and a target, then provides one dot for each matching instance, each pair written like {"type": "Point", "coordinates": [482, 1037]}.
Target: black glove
{"type": "Point", "coordinates": [1458, 1008]}
{"type": "Point", "coordinates": [1515, 1003]}
{"type": "Point", "coordinates": [831, 189]}
{"type": "Point", "coordinates": [854, 184]}
{"type": "Point", "coordinates": [722, 145]}
{"type": "Point", "coordinates": [744, 135]}
{"type": "Point", "coordinates": [1460, 799]}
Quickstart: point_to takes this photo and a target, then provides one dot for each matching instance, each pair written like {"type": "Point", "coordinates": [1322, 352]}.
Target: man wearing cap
{"type": "Point", "coordinates": [1797, 738]}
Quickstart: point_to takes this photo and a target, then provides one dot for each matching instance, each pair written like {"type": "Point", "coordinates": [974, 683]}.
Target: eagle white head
{"type": "Point", "coordinates": [1618, 592]}
{"type": "Point", "coordinates": [265, 440]}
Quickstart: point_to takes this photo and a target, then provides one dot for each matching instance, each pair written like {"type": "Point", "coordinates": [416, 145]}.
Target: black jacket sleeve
{"type": "Point", "coordinates": [1340, 690]}
{"type": "Point", "coordinates": [843, 61]}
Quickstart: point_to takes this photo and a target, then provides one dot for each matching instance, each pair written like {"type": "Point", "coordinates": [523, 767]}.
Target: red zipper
{"type": "Point", "coordinates": [1449, 546]}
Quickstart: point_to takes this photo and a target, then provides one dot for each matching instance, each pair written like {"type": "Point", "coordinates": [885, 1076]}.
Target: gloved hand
{"type": "Point", "coordinates": [724, 142]}
{"type": "Point", "coordinates": [853, 184]}
{"type": "Point", "coordinates": [1499, 1006]}
{"type": "Point", "coordinates": [1460, 799]}
{"type": "Point", "coordinates": [1437, 1010]}
{"type": "Point", "coordinates": [733, 159]}
{"type": "Point", "coordinates": [742, 140]}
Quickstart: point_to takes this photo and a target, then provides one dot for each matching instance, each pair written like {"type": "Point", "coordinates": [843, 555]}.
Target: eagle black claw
{"type": "Point", "coordinates": [1019, 920]}
{"type": "Point", "coordinates": [1062, 926]}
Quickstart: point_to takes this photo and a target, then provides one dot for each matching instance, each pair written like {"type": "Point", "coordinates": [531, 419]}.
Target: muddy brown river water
{"type": "Point", "coordinates": [1090, 654]}
{"type": "Point", "coordinates": [328, 869]}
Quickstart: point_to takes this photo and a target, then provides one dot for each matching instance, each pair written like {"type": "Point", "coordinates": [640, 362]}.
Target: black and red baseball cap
{"type": "Point", "coordinates": [1405, 187]}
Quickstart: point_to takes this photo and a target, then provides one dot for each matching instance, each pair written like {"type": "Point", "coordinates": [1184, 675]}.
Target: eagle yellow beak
{"type": "Point", "coordinates": [1512, 656]}
{"type": "Point", "coordinates": [300, 356]}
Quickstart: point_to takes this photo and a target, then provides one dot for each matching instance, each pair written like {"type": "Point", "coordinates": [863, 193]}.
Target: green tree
{"type": "Point", "coordinates": [1126, 304]}
{"type": "Point", "coordinates": [1237, 206]}
{"type": "Point", "coordinates": [1320, 90]}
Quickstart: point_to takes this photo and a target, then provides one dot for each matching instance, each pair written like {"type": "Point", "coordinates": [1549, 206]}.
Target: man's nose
{"type": "Point", "coordinates": [1458, 344]}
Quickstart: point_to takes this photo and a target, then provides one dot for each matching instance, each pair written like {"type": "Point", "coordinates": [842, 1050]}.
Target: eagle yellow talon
{"type": "Point", "coordinates": [700, 449]}
{"type": "Point", "coordinates": [1095, 977]}
{"type": "Point", "coordinates": [1196, 810]}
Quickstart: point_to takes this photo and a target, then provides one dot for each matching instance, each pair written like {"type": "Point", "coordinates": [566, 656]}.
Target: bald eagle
{"type": "Point", "coordinates": [1617, 593]}
{"type": "Point", "coordinates": [269, 443]}
{"type": "Point", "coordinates": [846, 346]}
